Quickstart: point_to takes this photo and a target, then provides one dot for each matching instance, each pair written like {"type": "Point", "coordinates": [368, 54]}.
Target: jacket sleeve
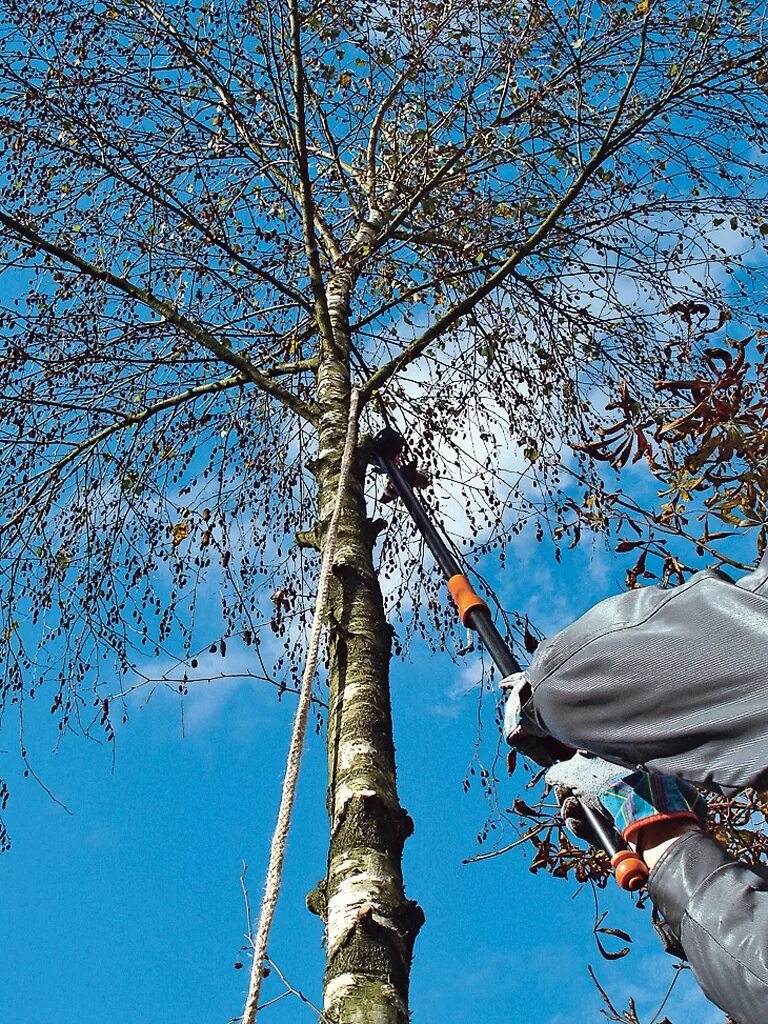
{"type": "Point", "coordinates": [604, 683]}
{"type": "Point", "coordinates": [718, 909]}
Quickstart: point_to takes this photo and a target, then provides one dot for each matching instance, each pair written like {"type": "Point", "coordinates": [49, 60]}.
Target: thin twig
{"type": "Point", "coordinates": [296, 992]}
{"type": "Point", "coordinates": [247, 902]}
{"type": "Point", "coordinates": [505, 849]}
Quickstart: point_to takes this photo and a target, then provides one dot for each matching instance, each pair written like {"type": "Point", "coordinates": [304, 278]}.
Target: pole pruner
{"type": "Point", "coordinates": [631, 872]}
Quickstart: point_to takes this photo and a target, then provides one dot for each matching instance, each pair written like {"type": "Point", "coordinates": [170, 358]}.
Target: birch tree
{"type": "Point", "coordinates": [515, 228]}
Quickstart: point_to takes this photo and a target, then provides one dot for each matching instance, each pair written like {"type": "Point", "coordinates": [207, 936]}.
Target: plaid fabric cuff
{"type": "Point", "coordinates": [640, 798]}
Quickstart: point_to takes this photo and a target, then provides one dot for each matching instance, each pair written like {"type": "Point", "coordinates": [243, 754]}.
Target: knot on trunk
{"type": "Point", "coordinates": [307, 539]}
{"type": "Point", "coordinates": [317, 900]}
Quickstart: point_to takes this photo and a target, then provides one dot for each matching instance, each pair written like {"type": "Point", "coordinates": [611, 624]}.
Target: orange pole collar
{"type": "Point", "coordinates": [463, 593]}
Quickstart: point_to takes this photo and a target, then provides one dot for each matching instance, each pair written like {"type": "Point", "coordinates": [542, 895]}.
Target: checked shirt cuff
{"type": "Point", "coordinates": [641, 798]}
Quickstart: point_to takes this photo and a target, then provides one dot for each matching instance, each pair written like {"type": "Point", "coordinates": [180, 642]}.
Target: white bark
{"type": "Point", "coordinates": [349, 1001]}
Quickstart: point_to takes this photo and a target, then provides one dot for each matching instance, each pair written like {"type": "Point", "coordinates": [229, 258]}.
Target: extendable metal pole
{"type": "Point", "coordinates": [631, 871]}
{"type": "Point", "coordinates": [477, 616]}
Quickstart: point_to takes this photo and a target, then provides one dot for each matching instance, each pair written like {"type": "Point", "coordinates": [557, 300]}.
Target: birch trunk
{"type": "Point", "coordinates": [370, 926]}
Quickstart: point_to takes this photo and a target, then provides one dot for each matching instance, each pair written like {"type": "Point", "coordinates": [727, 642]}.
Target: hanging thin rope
{"type": "Point", "coordinates": [288, 795]}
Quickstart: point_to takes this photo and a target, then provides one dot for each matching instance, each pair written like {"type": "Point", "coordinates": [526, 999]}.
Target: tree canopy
{"type": "Point", "coordinates": [532, 235]}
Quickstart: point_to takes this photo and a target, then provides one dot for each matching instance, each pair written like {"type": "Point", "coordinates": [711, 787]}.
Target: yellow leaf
{"type": "Point", "coordinates": [180, 532]}
{"type": "Point", "coordinates": [13, 626]}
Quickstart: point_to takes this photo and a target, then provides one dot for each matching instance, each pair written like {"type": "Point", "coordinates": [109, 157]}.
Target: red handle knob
{"type": "Point", "coordinates": [631, 870]}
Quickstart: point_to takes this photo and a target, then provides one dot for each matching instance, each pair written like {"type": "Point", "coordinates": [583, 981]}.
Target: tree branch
{"type": "Point", "coordinates": [285, 369]}
{"type": "Point", "coordinates": [607, 146]}
{"type": "Point", "coordinates": [158, 193]}
{"type": "Point", "coordinates": [429, 236]}
{"type": "Point", "coordinates": [129, 420]}
{"type": "Point", "coordinates": [373, 137]}
{"type": "Point", "coordinates": [168, 311]}
{"type": "Point", "coordinates": [452, 161]}
{"type": "Point", "coordinates": [238, 121]}
{"type": "Point", "coordinates": [307, 203]}
{"type": "Point", "coordinates": [344, 170]}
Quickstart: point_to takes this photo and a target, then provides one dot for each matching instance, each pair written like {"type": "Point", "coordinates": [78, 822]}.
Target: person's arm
{"type": "Point", "coordinates": [672, 680]}
{"type": "Point", "coordinates": [717, 907]}
{"type": "Point", "coordinates": [657, 839]}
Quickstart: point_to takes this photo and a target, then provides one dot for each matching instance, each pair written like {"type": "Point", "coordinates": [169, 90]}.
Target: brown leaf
{"type": "Point", "coordinates": [521, 807]}
{"type": "Point", "coordinates": [529, 640]}
{"type": "Point", "coordinates": [617, 932]}
{"type": "Point", "coordinates": [643, 445]}
{"type": "Point", "coordinates": [620, 459]}
{"type": "Point", "coordinates": [606, 954]}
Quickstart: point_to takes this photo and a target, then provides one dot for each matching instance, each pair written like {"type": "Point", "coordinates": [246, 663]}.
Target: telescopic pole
{"type": "Point", "coordinates": [631, 871]}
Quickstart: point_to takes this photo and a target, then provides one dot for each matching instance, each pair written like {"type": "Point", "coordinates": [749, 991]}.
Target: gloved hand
{"type": "Point", "coordinates": [520, 729]}
{"type": "Point", "coordinates": [518, 691]}
{"type": "Point", "coordinates": [633, 798]}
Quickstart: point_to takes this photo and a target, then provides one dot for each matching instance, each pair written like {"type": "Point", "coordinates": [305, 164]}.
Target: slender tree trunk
{"type": "Point", "coordinates": [370, 926]}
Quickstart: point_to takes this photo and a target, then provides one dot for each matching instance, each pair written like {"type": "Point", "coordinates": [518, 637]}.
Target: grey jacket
{"type": "Point", "coordinates": [672, 680]}
{"type": "Point", "coordinates": [676, 681]}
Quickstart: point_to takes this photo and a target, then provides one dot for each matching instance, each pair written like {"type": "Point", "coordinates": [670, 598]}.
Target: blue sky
{"type": "Point", "coordinates": [130, 909]}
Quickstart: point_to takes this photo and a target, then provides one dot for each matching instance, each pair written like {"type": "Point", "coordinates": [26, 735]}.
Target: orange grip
{"type": "Point", "coordinates": [631, 870]}
{"type": "Point", "coordinates": [464, 595]}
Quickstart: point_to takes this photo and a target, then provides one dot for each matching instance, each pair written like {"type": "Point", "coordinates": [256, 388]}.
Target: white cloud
{"type": "Point", "coordinates": [217, 690]}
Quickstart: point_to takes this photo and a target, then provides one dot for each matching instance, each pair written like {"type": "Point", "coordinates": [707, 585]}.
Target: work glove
{"type": "Point", "coordinates": [633, 798]}
{"type": "Point", "coordinates": [521, 731]}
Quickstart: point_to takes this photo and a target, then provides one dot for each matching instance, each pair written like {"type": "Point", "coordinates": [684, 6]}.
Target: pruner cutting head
{"type": "Point", "coordinates": [412, 474]}
{"type": "Point", "coordinates": [388, 445]}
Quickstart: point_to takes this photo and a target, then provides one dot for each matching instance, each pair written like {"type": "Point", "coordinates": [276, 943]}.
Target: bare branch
{"type": "Point", "coordinates": [307, 202]}
{"type": "Point", "coordinates": [238, 120]}
{"type": "Point", "coordinates": [135, 419]}
{"type": "Point", "coordinates": [610, 143]}
{"type": "Point", "coordinates": [157, 192]}
{"type": "Point", "coordinates": [165, 309]}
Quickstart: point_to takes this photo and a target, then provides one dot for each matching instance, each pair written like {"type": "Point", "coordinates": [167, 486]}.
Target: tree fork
{"type": "Point", "coordinates": [370, 925]}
